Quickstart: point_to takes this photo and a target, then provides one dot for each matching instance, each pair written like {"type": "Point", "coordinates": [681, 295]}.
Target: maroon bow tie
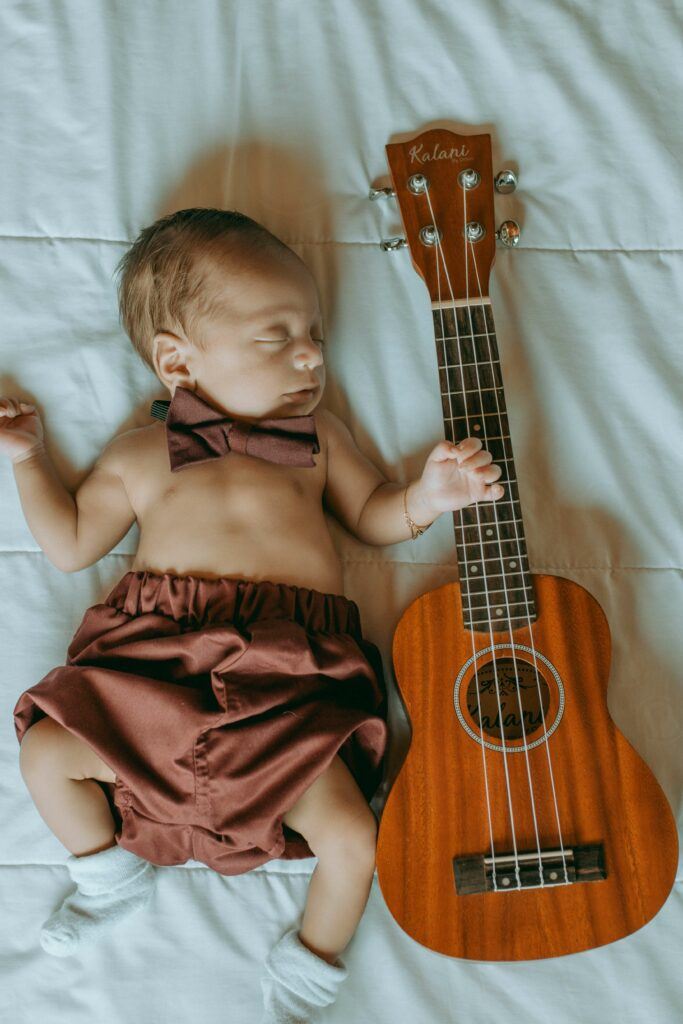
{"type": "Point", "coordinates": [196, 432]}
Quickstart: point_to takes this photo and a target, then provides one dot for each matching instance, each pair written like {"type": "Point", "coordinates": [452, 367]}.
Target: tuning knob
{"type": "Point", "coordinates": [389, 244]}
{"type": "Point", "coordinates": [505, 181]}
{"type": "Point", "coordinates": [508, 233]}
{"type": "Point", "coordinates": [382, 193]}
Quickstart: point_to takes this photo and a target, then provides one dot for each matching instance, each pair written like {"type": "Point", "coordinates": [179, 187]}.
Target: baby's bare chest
{"type": "Point", "coordinates": [233, 515]}
{"type": "Point", "coordinates": [233, 489]}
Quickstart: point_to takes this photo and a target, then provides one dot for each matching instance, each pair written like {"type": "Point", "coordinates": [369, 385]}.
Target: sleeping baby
{"type": "Point", "coordinates": [221, 703]}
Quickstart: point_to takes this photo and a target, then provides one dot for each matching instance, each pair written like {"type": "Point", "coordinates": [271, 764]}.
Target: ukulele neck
{"type": "Point", "coordinates": [493, 570]}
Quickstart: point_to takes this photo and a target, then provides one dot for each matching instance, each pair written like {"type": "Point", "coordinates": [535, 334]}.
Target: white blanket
{"type": "Point", "coordinates": [114, 113]}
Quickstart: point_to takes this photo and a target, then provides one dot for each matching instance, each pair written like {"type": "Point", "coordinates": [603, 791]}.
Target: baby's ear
{"type": "Point", "coordinates": [171, 358]}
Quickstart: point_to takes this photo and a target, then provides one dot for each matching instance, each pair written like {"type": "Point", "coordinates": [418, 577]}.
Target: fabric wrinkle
{"type": "Point", "coordinates": [217, 702]}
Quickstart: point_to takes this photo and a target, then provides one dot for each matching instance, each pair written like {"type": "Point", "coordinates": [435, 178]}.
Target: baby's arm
{"type": "Point", "coordinates": [372, 508]}
{"type": "Point", "coordinates": [104, 512]}
{"type": "Point", "coordinates": [74, 531]}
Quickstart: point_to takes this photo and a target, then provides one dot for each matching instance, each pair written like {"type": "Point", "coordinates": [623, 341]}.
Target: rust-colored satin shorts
{"type": "Point", "coordinates": [216, 703]}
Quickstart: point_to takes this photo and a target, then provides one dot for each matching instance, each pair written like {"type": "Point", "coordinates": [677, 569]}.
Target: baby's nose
{"type": "Point", "coordinates": [312, 355]}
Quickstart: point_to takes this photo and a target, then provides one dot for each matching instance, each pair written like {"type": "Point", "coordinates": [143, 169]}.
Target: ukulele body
{"type": "Point", "coordinates": [444, 808]}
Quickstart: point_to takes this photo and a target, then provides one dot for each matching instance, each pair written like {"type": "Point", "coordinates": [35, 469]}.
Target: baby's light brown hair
{"type": "Point", "coordinates": [168, 279]}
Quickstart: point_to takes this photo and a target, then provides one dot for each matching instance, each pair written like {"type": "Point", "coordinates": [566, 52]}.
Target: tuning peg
{"type": "Point", "coordinates": [506, 181]}
{"type": "Point", "coordinates": [508, 233]}
{"type": "Point", "coordinates": [389, 244]}
{"type": "Point", "coordinates": [382, 193]}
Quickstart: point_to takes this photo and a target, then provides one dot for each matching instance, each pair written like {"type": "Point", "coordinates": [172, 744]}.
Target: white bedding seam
{"type": "Point", "coordinates": [400, 561]}
{"type": "Point", "coordinates": [330, 241]}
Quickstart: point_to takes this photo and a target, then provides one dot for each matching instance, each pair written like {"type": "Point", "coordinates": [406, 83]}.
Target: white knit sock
{"type": "Point", "coordinates": [110, 885]}
{"type": "Point", "coordinates": [296, 981]}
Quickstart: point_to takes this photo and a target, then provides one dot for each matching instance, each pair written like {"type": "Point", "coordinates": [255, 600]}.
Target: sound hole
{"type": "Point", "coordinates": [517, 684]}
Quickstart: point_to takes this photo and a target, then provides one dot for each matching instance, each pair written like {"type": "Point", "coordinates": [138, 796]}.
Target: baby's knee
{"type": "Point", "coordinates": [43, 748]}
{"type": "Point", "coordinates": [349, 841]}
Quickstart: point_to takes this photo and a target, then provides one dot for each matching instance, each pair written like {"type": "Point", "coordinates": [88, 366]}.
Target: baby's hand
{"type": "Point", "coordinates": [456, 475]}
{"type": "Point", "coordinates": [21, 432]}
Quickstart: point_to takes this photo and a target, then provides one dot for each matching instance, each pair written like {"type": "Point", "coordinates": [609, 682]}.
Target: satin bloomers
{"type": "Point", "coordinates": [216, 703]}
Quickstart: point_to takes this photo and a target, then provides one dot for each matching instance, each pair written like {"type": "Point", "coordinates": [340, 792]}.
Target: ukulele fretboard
{"type": "Point", "coordinates": [493, 571]}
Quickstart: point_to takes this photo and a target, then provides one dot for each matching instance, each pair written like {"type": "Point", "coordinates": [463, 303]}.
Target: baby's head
{"type": "Point", "coordinates": [213, 302]}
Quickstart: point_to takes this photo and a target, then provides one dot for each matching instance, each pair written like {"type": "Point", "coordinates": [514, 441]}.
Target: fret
{"type": "Point", "coordinates": [514, 606]}
{"type": "Point", "coordinates": [465, 336]}
{"type": "Point", "coordinates": [501, 522]}
{"type": "Point", "coordinates": [471, 416]}
{"type": "Point", "coordinates": [486, 595]}
{"type": "Point", "coordinates": [498, 590]}
{"type": "Point", "coordinates": [466, 558]}
{"type": "Point", "coordinates": [459, 364]}
{"type": "Point", "coordinates": [473, 557]}
{"type": "Point", "coordinates": [475, 391]}
{"type": "Point", "coordinates": [513, 543]}
{"type": "Point", "coordinates": [491, 538]}
{"type": "Point", "coordinates": [486, 523]}
{"type": "Point", "coordinates": [485, 544]}
{"type": "Point", "coordinates": [484, 584]}
{"type": "Point", "coordinates": [494, 558]}
{"type": "Point", "coordinates": [493, 576]}
{"type": "Point", "coordinates": [499, 503]}
{"type": "Point", "coordinates": [521, 615]}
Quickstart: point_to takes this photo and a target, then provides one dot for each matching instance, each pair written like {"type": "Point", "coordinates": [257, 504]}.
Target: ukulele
{"type": "Point", "coordinates": [522, 824]}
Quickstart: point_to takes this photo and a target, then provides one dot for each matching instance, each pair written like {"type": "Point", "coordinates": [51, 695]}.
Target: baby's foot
{"type": "Point", "coordinates": [296, 981]}
{"type": "Point", "coordinates": [111, 884]}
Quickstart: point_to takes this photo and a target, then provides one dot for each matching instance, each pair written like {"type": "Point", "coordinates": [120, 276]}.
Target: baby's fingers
{"type": "Point", "coordinates": [484, 483]}
{"type": "Point", "coordinates": [15, 407]}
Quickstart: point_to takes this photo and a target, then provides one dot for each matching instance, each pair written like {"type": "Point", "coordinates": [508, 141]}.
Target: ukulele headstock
{"type": "Point", "coordinates": [444, 186]}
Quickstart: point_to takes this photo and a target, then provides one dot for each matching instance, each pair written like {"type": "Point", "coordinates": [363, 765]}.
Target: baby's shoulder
{"type": "Point", "coordinates": [331, 429]}
{"type": "Point", "coordinates": [127, 450]}
{"type": "Point", "coordinates": [326, 424]}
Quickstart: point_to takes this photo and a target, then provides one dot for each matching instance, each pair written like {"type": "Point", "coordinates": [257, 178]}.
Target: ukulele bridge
{"type": "Point", "coordinates": [484, 873]}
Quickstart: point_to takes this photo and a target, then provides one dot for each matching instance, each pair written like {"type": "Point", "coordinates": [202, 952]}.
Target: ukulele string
{"type": "Point", "coordinates": [482, 744]}
{"type": "Point", "coordinates": [503, 577]}
{"type": "Point", "coordinates": [512, 648]}
{"type": "Point", "coordinates": [526, 602]}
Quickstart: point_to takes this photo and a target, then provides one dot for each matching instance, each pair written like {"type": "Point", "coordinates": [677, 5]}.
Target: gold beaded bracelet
{"type": "Point", "coordinates": [416, 530]}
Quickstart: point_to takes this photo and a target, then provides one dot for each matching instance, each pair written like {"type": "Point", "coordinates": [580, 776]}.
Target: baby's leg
{"type": "Point", "coordinates": [341, 830]}
{"type": "Point", "coordinates": [303, 972]}
{"type": "Point", "coordinates": [59, 771]}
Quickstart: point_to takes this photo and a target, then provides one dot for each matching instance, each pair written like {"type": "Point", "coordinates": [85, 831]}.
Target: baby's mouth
{"type": "Point", "coordinates": [303, 395]}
